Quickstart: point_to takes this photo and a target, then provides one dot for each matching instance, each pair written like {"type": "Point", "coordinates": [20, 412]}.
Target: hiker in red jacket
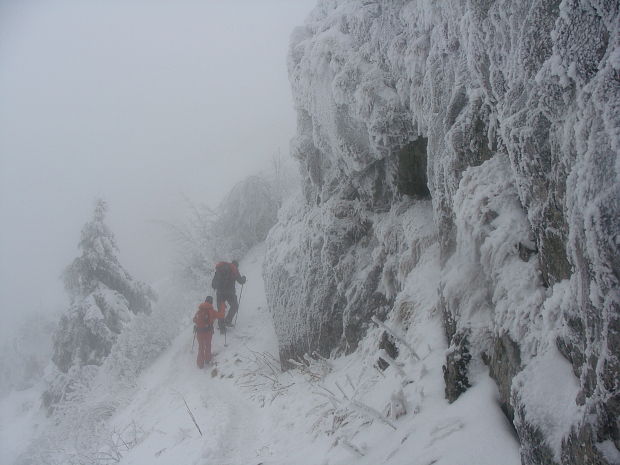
{"type": "Point", "coordinates": [204, 319]}
{"type": "Point", "coordinates": [226, 274]}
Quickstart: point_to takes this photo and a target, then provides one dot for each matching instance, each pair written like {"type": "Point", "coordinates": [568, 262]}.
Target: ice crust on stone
{"type": "Point", "coordinates": [519, 105]}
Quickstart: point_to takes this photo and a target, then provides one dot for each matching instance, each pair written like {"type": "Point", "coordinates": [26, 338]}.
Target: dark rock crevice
{"type": "Point", "coordinates": [412, 162]}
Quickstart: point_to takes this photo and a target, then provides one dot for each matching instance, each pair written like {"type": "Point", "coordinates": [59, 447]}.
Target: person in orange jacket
{"type": "Point", "coordinates": [203, 320]}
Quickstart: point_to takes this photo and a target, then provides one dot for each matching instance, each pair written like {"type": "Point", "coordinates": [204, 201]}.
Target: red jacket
{"type": "Point", "coordinates": [228, 286]}
{"type": "Point", "coordinates": [206, 315]}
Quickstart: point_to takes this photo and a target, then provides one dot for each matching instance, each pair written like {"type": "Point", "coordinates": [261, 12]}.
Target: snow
{"type": "Point", "coordinates": [519, 103]}
{"type": "Point", "coordinates": [20, 419]}
{"type": "Point", "coordinates": [251, 412]}
{"type": "Point", "coordinates": [609, 451]}
{"type": "Point", "coordinates": [491, 226]}
{"type": "Point", "coordinates": [546, 386]}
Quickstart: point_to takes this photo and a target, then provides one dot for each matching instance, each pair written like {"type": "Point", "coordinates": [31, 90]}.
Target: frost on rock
{"type": "Point", "coordinates": [104, 299]}
{"type": "Point", "coordinates": [513, 109]}
{"type": "Point", "coordinates": [331, 269]}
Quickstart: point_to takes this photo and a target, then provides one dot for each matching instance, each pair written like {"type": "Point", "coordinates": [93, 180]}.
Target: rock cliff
{"type": "Point", "coordinates": [489, 130]}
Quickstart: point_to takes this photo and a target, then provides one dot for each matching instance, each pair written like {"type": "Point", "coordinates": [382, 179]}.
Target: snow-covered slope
{"type": "Point", "coordinates": [445, 290]}
{"type": "Point", "coordinates": [325, 412]}
{"type": "Point", "coordinates": [489, 131]}
{"type": "Point", "coordinates": [330, 412]}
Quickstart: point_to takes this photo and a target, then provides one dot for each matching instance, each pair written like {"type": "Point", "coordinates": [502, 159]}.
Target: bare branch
{"type": "Point", "coordinates": [192, 416]}
{"type": "Point", "coordinates": [396, 335]}
{"type": "Point", "coordinates": [371, 412]}
{"type": "Point", "coordinates": [341, 390]}
{"type": "Point", "coordinates": [347, 444]}
{"type": "Point", "coordinates": [393, 363]}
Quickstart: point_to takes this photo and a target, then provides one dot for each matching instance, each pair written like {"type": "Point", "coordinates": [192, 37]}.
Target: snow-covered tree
{"type": "Point", "coordinates": [246, 215]}
{"type": "Point", "coordinates": [104, 299]}
{"type": "Point", "coordinates": [283, 177]}
{"type": "Point", "coordinates": [195, 244]}
{"type": "Point", "coordinates": [241, 221]}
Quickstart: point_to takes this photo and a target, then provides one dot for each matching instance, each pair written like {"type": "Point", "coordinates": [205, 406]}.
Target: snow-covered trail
{"type": "Point", "coordinates": [249, 415]}
{"type": "Point", "coordinates": [234, 427]}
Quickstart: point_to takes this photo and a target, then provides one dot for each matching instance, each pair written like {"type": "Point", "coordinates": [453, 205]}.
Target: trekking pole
{"type": "Point", "coordinates": [194, 338]}
{"type": "Point", "coordinates": [238, 304]}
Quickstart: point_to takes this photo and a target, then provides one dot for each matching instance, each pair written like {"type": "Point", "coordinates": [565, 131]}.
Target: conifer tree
{"type": "Point", "coordinates": [104, 298]}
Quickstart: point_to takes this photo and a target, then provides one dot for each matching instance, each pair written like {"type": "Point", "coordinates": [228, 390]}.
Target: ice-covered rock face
{"type": "Point", "coordinates": [514, 109]}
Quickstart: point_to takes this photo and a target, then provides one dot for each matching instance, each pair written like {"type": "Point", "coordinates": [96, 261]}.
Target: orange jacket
{"type": "Point", "coordinates": [206, 315]}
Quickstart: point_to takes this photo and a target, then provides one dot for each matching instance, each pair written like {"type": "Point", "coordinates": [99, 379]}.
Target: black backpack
{"type": "Point", "coordinates": [222, 276]}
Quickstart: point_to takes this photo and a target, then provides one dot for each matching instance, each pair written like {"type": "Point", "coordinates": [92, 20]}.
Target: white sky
{"type": "Point", "coordinates": [138, 102]}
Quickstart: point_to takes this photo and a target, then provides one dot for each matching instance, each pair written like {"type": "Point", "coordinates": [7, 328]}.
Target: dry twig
{"type": "Point", "coordinates": [192, 416]}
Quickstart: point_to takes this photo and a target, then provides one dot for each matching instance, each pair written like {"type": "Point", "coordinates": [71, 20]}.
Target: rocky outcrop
{"type": "Point", "coordinates": [337, 265]}
{"type": "Point", "coordinates": [506, 115]}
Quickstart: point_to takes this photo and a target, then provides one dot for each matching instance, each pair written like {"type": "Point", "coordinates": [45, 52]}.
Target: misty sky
{"type": "Point", "coordinates": [139, 102]}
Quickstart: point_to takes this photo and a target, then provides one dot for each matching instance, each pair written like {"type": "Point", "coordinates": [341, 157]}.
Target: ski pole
{"type": "Point", "coordinates": [238, 304]}
{"type": "Point", "coordinates": [194, 338]}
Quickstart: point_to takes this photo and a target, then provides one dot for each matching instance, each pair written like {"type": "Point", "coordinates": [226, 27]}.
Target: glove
{"type": "Point", "coordinates": [243, 280]}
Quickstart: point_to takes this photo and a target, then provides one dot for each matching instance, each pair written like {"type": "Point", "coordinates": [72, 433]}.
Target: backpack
{"type": "Point", "coordinates": [201, 321]}
{"type": "Point", "coordinates": [222, 276]}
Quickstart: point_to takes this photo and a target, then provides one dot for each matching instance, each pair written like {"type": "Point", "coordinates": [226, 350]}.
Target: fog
{"type": "Point", "coordinates": [139, 102]}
